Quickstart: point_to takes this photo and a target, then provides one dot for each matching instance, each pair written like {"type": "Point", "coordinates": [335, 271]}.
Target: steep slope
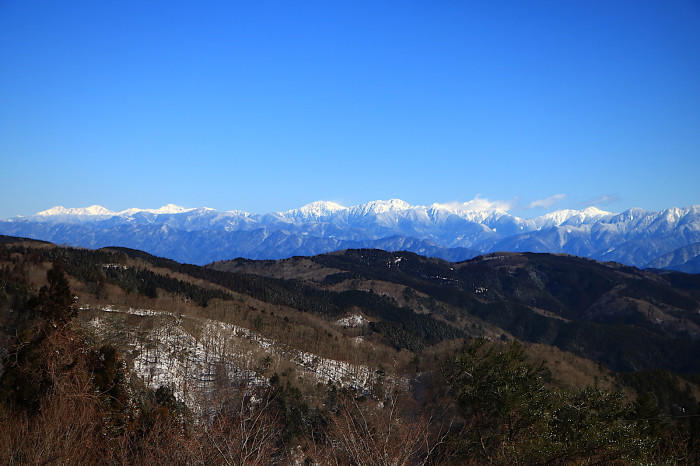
{"type": "Point", "coordinates": [684, 259]}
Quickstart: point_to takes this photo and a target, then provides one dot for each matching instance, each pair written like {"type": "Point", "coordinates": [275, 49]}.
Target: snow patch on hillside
{"type": "Point", "coordinates": [221, 354]}
{"type": "Point", "coordinates": [352, 321]}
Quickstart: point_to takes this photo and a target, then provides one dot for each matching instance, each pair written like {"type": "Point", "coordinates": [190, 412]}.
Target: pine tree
{"type": "Point", "coordinates": [56, 298]}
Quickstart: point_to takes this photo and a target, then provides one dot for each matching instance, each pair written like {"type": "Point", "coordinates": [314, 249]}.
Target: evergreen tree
{"type": "Point", "coordinates": [56, 298]}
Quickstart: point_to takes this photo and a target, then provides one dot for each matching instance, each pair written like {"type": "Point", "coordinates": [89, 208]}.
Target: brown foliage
{"type": "Point", "coordinates": [363, 433]}
{"type": "Point", "coordinates": [66, 421]}
{"type": "Point", "coordinates": [247, 431]}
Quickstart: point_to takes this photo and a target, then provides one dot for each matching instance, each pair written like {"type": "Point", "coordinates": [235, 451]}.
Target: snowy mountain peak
{"type": "Point", "coordinates": [60, 210]}
{"type": "Point", "coordinates": [592, 210]}
{"type": "Point", "coordinates": [171, 209]}
{"type": "Point", "coordinates": [674, 214]}
{"type": "Point", "coordinates": [56, 210]}
{"type": "Point", "coordinates": [380, 207]}
{"type": "Point", "coordinates": [458, 230]}
{"type": "Point", "coordinates": [99, 211]}
{"type": "Point", "coordinates": [317, 209]}
{"type": "Point", "coordinates": [476, 210]}
{"type": "Point", "coordinates": [238, 213]}
{"type": "Point", "coordinates": [166, 209]}
{"type": "Point", "coordinates": [559, 217]}
{"type": "Point", "coordinates": [475, 205]}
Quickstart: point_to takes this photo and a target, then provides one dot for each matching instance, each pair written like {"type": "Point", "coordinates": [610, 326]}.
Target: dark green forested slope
{"type": "Point", "coordinates": [625, 317]}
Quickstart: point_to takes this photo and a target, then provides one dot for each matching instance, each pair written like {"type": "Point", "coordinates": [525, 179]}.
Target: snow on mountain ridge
{"type": "Point", "coordinates": [166, 209]}
{"type": "Point", "coordinates": [98, 210]}
{"type": "Point", "coordinates": [475, 205]}
{"type": "Point", "coordinates": [393, 214]}
{"type": "Point", "coordinates": [60, 210]}
{"type": "Point", "coordinates": [476, 210]}
{"type": "Point", "coordinates": [380, 207]}
{"type": "Point", "coordinates": [634, 237]}
{"type": "Point", "coordinates": [559, 217]}
{"type": "Point", "coordinates": [316, 209]}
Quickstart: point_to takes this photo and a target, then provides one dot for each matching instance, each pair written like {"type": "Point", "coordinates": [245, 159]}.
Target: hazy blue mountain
{"type": "Point", "coordinates": [685, 259]}
{"type": "Point", "coordinates": [455, 231]}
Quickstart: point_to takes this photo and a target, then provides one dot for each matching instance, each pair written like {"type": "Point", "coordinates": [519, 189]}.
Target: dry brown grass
{"type": "Point", "coordinates": [570, 370]}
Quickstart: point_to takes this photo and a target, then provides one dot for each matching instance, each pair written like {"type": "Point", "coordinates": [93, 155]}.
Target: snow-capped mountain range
{"type": "Point", "coordinates": [453, 231]}
{"type": "Point", "coordinates": [97, 211]}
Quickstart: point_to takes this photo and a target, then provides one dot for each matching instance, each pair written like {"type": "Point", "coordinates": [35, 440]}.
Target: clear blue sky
{"type": "Point", "coordinates": [266, 106]}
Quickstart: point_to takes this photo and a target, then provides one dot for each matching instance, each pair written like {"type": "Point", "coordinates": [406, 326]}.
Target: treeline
{"type": "Point", "coordinates": [621, 347]}
{"type": "Point", "coordinates": [94, 268]}
{"type": "Point", "coordinates": [672, 392]}
{"type": "Point", "coordinates": [566, 286]}
{"type": "Point", "coordinates": [146, 282]}
{"type": "Point", "coordinates": [401, 327]}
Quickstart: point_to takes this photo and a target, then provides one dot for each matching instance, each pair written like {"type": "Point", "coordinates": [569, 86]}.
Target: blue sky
{"type": "Point", "coordinates": [266, 106]}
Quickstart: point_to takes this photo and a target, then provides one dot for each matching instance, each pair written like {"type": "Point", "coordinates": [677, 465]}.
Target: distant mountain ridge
{"type": "Point", "coordinates": [684, 259]}
{"type": "Point", "coordinates": [454, 231]}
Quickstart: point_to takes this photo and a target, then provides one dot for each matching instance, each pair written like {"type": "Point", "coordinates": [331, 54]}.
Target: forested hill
{"type": "Point", "coordinates": [115, 353]}
{"type": "Point", "coordinates": [627, 318]}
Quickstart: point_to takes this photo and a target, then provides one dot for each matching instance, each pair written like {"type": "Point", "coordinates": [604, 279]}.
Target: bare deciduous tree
{"type": "Point", "coordinates": [247, 431]}
{"type": "Point", "coordinates": [377, 435]}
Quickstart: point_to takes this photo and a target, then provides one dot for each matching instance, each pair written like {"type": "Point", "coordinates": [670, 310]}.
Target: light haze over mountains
{"type": "Point", "coordinates": [453, 231]}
